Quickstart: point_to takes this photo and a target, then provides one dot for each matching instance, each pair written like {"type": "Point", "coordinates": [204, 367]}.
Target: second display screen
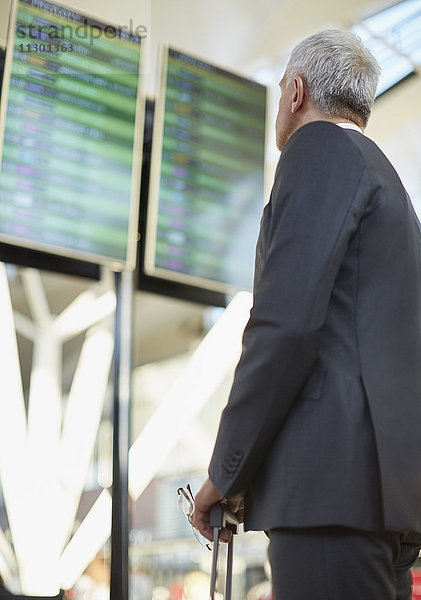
{"type": "Point", "coordinates": [207, 196]}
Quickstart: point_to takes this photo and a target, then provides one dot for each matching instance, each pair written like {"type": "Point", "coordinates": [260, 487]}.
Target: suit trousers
{"type": "Point", "coordinates": [339, 563]}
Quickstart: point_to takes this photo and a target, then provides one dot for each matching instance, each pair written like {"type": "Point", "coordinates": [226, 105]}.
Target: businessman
{"type": "Point", "coordinates": [320, 442]}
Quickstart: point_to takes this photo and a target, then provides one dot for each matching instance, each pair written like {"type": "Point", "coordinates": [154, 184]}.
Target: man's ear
{"type": "Point", "coordinates": [298, 95]}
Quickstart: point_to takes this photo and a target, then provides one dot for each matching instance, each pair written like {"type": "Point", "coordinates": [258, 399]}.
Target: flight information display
{"type": "Point", "coordinates": [72, 125]}
{"type": "Point", "coordinates": [207, 175]}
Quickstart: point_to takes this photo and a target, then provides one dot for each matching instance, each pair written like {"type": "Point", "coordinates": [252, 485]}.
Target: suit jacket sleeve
{"type": "Point", "coordinates": [320, 193]}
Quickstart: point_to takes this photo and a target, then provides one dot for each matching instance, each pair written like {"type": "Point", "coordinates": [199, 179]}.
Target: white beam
{"type": "Point", "coordinates": [36, 297]}
{"type": "Point", "coordinates": [43, 470]}
{"type": "Point", "coordinates": [214, 359]}
{"type": "Point", "coordinates": [25, 326]}
{"type": "Point", "coordinates": [88, 540]}
{"type": "Point", "coordinates": [13, 465]}
{"type": "Point", "coordinates": [38, 559]}
{"type": "Point", "coordinates": [81, 422]}
{"type": "Point", "coordinates": [8, 566]}
{"type": "Point", "coordinates": [84, 312]}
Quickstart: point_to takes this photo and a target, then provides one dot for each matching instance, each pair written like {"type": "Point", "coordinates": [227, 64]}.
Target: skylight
{"type": "Point", "coordinates": [400, 26]}
{"type": "Point", "coordinates": [394, 37]}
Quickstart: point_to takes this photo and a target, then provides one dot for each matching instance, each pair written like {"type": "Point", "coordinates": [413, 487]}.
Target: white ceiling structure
{"type": "Point", "coordinates": [246, 36]}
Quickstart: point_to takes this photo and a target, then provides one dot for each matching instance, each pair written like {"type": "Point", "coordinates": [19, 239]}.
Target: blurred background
{"type": "Point", "coordinates": [62, 305]}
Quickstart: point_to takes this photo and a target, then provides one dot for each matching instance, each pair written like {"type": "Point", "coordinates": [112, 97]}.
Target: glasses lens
{"type": "Point", "coordinates": [185, 505]}
{"type": "Point", "coordinates": [186, 502]}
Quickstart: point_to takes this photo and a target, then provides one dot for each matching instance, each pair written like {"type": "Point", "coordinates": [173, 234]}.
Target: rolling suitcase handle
{"type": "Point", "coordinates": [220, 517]}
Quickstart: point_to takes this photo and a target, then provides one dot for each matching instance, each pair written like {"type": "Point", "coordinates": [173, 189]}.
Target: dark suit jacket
{"type": "Point", "coordinates": [323, 423]}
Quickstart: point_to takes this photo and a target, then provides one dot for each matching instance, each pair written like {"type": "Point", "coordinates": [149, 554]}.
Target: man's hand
{"type": "Point", "coordinates": [205, 498]}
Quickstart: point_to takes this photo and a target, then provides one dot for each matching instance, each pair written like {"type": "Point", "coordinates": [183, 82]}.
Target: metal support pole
{"type": "Point", "coordinates": [119, 583]}
{"type": "Point", "coordinates": [228, 574]}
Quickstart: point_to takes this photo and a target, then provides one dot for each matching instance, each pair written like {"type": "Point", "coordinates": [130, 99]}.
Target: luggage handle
{"type": "Point", "coordinates": [220, 517]}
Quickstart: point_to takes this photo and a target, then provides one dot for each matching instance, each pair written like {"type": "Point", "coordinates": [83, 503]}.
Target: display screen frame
{"type": "Point", "coordinates": [149, 266]}
{"type": "Point", "coordinates": [114, 263]}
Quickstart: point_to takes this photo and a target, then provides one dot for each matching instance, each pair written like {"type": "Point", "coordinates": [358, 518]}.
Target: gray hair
{"type": "Point", "coordinates": [341, 74]}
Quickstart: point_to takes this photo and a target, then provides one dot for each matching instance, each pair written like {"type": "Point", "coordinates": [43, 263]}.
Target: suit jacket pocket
{"type": "Point", "coordinates": [314, 385]}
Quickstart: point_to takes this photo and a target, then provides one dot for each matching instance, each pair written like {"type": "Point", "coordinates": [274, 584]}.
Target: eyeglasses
{"type": "Point", "coordinates": [186, 503]}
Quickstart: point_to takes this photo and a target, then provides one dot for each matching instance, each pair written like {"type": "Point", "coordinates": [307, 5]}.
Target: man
{"type": "Point", "coordinates": [321, 435]}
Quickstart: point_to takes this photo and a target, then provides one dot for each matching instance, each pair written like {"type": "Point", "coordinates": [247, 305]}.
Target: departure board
{"type": "Point", "coordinates": [72, 125]}
{"type": "Point", "coordinates": [207, 171]}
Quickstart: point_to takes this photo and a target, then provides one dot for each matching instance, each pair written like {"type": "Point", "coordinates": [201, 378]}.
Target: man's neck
{"type": "Point", "coordinates": [313, 115]}
{"type": "Point", "coordinates": [310, 115]}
